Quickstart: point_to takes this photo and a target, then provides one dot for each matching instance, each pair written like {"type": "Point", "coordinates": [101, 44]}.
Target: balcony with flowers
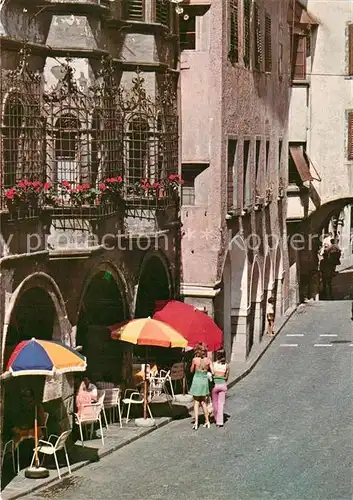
{"type": "Point", "coordinates": [81, 158]}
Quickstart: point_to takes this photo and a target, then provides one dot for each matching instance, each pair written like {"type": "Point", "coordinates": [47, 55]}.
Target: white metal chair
{"type": "Point", "coordinates": [158, 384]}
{"type": "Point", "coordinates": [48, 448]}
{"type": "Point", "coordinates": [132, 397]}
{"type": "Point", "coordinates": [101, 400]}
{"type": "Point", "coordinates": [112, 403]}
{"type": "Point", "coordinates": [11, 445]}
{"type": "Point", "coordinates": [89, 415]}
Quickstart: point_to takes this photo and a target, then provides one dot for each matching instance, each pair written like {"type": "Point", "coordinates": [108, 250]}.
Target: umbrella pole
{"type": "Point", "coordinates": [36, 435]}
{"type": "Point", "coordinates": [145, 388]}
{"type": "Point", "coordinates": [184, 377]}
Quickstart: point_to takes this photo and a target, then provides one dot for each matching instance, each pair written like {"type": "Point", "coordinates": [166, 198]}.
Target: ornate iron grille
{"type": "Point", "coordinates": [84, 151]}
{"type": "Point", "coordinates": [22, 138]}
{"type": "Point", "coordinates": [84, 144]}
{"type": "Point", "coordinates": [150, 143]}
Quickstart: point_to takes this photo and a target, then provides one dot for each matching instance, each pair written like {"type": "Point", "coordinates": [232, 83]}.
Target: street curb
{"type": "Point", "coordinates": [109, 451]}
{"type": "Point", "coordinates": [76, 467]}
{"type": "Point", "coordinates": [289, 313]}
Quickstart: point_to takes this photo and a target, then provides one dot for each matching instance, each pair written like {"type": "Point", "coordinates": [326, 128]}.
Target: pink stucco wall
{"type": "Point", "coordinates": [221, 100]}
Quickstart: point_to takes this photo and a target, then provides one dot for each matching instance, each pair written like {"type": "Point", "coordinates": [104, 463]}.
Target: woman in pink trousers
{"type": "Point", "coordinates": [220, 377]}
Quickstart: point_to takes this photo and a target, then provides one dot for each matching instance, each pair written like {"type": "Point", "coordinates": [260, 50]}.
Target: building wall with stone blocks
{"type": "Point", "coordinates": [89, 92]}
{"type": "Point", "coordinates": [234, 160]}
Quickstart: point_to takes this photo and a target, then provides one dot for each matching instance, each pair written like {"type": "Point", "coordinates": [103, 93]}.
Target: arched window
{"type": "Point", "coordinates": [67, 154]}
{"type": "Point", "coordinates": [139, 165]}
{"type": "Point", "coordinates": [12, 130]}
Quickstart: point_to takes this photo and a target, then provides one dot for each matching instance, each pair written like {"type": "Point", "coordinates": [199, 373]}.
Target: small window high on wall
{"type": "Point", "coordinates": [187, 30]}
{"type": "Point", "coordinates": [299, 54]}
{"type": "Point", "coordinates": [189, 174]}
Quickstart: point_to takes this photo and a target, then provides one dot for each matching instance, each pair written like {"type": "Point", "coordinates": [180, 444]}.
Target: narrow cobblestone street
{"type": "Point", "coordinates": [289, 435]}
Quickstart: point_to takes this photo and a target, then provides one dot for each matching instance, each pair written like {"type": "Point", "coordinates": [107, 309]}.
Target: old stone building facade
{"type": "Point", "coordinates": [90, 230]}
{"type": "Point", "coordinates": [235, 101]}
{"type": "Point", "coordinates": [320, 133]}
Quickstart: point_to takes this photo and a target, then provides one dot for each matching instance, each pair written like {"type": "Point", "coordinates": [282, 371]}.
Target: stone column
{"type": "Point", "coordinates": [279, 300]}
{"type": "Point", "coordinates": [239, 325]}
{"type": "Point", "coordinates": [257, 321]}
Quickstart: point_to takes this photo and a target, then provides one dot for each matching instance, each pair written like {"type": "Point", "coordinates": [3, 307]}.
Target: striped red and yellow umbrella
{"type": "Point", "coordinates": [148, 332]}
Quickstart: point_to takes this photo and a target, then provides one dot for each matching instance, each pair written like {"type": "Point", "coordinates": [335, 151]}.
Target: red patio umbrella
{"type": "Point", "coordinates": [194, 325]}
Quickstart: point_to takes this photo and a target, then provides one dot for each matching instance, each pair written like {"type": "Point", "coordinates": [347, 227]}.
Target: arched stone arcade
{"type": "Point", "coordinates": [36, 309]}
{"type": "Point", "coordinates": [256, 310]}
{"type": "Point", "coordinates": [103, 304]}
{"type": "Point", "coordinates": [154, 283]}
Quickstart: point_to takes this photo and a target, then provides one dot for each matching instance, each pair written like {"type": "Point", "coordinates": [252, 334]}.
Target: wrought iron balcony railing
{"type": "Point", "coordinates": [84, 152]}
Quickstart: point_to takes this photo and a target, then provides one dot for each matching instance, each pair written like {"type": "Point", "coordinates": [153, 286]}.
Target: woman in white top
{"type": "Point", "coordinates": [220, 371]}
{"type": "Point", "coordinates": [270, 315]}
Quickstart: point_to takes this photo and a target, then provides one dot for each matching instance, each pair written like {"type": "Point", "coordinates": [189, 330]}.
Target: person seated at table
{"type": "Point", "coordinates": [24, 415]}
{"type": "Point", "coordinates": [83, 397]}
{"type": "Point", "coordinates": [91, 389]}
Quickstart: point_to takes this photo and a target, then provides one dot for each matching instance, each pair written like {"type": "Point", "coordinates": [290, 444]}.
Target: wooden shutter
{"type": "Point", "coordinates": [350, 48]}
{"type": "Point", "coordinates": [257, 38]}
{"type": "Point", "coordinates": [134, 10]}
{"type": "Point", "coordinates": [232, 149]}
{"type": "Point", "coordinates": [350, 135]}
{"type": "Point", "coordinates": [233, 31]}
{"type": "Point", "coordinates": [299, 57]}
{"type": "Point", "coordinates": [162, 11]}
{"type": "Point", "coordinates": [268, 44]}
{"type": "Point", "coordinates": [247, 10]}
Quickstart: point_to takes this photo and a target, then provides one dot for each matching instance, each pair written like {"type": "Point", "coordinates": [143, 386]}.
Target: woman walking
{"type": "Point", "coordinates": [199, 389]}
{"type": "Point", "coordinates": [220, 377]}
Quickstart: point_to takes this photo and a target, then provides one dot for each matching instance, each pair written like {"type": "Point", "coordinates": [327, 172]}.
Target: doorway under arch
{"type": "Point", "coordinates": [154, 284]}
{"type": "Point", "coordinates": [255, 319]}
{"type": "Point", "coordinates": [267, 287]}
{"type": "Point", "coordinates": [278, 285]}
{"type": "Point", "coordinates": [36, 310]}
{"type": "Point", "coordinates": [238, 296]}
{"type": "Point", "coordinates": [103, 304]}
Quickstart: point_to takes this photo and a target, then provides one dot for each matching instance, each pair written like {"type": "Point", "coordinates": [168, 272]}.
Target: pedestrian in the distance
{"type": "Point", "coordinates": [220, 370]}
{"type": "Point", "coordinates": [199, 389]}
{"type": "Point", "coordinates": [270, 315]}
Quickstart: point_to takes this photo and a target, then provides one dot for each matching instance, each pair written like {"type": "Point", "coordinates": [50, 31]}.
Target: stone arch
{"type": "Point", "coordinates": [268, 273]}
{"type": "Point", "coordinates": [255, 318]}
{"type": "Point", "coordinates": [278, 274]}
{"type": "Point", "coordinates": [278, 284]}
{"type": "Point", "coordinates": [154, 283]}
{"type": "Point", "coordinates": [224, 319]}
{"type": "Point", "coordinates": [118, 277]}
{"type": "Point", "coordinates": [45, 283]}
{"type": "Point", "coordinates": [238, 296]}
{"type": "Point", "coordinates": [102, 304]}
{"type": "Point", "coordinates": [239, 268]}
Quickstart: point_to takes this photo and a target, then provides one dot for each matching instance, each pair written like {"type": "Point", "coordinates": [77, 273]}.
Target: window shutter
{"type": "Point", "coordinates": [299, 57]}
{"type": "Point", "coordinates": [258, 38]}
{"type": "Point", "coordinates": [134, 10]}
{"type": "Point", "coordinates": [162, 11]}
{"type": "Point", "coordinates": [350, 135]}
{"type": "Point", "coordinates": [350, 48]}
{"type": "Point", "coordinates": [247, 10]}
{"type": "Point", "coordinates": [232, 149]}
{"type": "Point", "coordinates": [268, 44]}
{"type": "Point", "coordinates": [233, 31]}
